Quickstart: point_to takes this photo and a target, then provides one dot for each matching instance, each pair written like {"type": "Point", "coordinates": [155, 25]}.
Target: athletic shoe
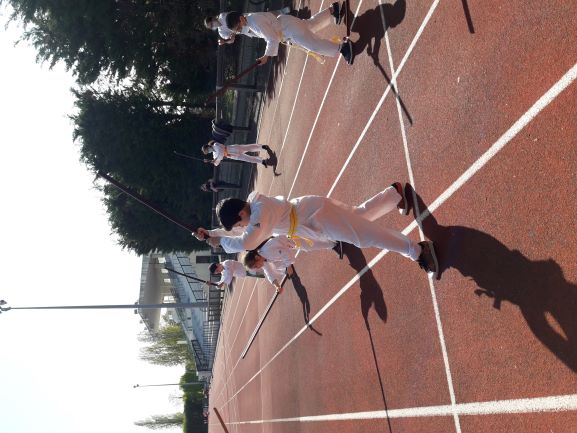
{"type": "Point", "coordinates": [347, 51]}
{"type": "Point", "coordinates": [403, 205]}
{"type": "Point", "coordinates": [286, 10]}
{"type": "Point", "coordinates": [338, 248]}
{"type": "Point", "coordinates": [338, 12]}
{"type": "Point", "coordinates": [428, 259]}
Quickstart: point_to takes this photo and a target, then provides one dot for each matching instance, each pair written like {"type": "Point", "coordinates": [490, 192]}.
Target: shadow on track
{"type": "Point", "coordinates": [371, 295]}
{"type": "Point", "coordinates": [538, 288]}
{"type": "Point", "coordinates": [371, 31]}
{"type": "Point", "coordinates": [304, 298]}
{"type": "Point", "coordinates": [371, 292]}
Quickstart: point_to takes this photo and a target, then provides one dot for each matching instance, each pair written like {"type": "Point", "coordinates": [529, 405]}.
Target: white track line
{"type": "Point", "coordinates": [440, 333]}
{"type": "Point", "coordinates": [541, 104]}
{"type": "Point", "coordinates": [236, 335]}
{"type": "Point", "coordinates": [559, 403]}
{"type": "Point", "coordinates": [393, 79]}
{"type": "Point", "coordinates": [380, 103]}
{"type": "Point", "coordinates": [320, 109]}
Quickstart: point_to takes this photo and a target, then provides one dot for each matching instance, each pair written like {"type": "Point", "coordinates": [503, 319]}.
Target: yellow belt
{"type": "Point", "coordinates": [314, 55]}
{"type": "Point", "coordinates": [293, 228]}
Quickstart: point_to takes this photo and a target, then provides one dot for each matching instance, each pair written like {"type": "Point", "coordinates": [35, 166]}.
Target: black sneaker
{"type": "Point", "coordinates": [338, 248]}
{"type": "Point", "coordinates": [428, 259]}
{"type": "Point", "coordinates": [347, 51]}
{"type": "Point", "coordinates": [403, 205]}
{"type": "Point", "coordinates": [338, 12]}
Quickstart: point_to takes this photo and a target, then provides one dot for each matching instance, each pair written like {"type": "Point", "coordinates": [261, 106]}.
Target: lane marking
{"type": "Point", "coordinates": [559, 403]}
{"type": "Point", "coordinates": [320, 109]}
{"type": "Point", "coordinates": [383, 97]}
{"type": "Point", "coordinates": [440, 333]}
{"type": "Point", "coordinates": [393, 79]}
{"type": "Point", "coordinates": [542, 103]}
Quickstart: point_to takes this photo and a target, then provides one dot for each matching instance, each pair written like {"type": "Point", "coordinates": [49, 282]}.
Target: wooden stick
{"type": "Point", "coordinates": [146, 203]}
{"type": "Point", "coordinates": [261, 321]}
{"type": "Point", "coordinates": [230, 82]}
{"type": "Point", "coordinates": [220, 419]}
{"type": "Point", "coordinates": [184, 155]}
{"type": "Point", "coordinates": [192, 278]}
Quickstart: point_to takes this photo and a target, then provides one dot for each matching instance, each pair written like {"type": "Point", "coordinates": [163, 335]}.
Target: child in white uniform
{"type": "Point", "coordinates": [277, 254]}
{"type": "Point", "coordinates": [275, 30]}
{"type": "Point", "coordinates": [229, 269]}
{"type": "Point", "coordinates": [248, 223]}
{"type": "Point", "coordinates": [234, 151]}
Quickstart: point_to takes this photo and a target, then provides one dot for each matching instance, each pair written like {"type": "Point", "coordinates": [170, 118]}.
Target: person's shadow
{"type": "Point", "coordinates": [371, 26]}
{"type": "Point", "coordinates": [371, 295]}
{"type": "Point", "coordinates": [301, 292]}
{"type": "Point", "coordinates": [538, 288]}
{"type": "Point", "coordinates": [371, 292]}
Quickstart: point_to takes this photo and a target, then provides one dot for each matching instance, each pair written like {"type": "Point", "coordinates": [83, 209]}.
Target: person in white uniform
{"type": "Point", "coordinates": [315, 218]}
{"type": "Point", "coordinates": [275, 30]}
{"type": "Point", "coordinates": [275, 256]}
{"type": "Point", "coordinates": [235, 151]}
{"type": "Point", "coordinates": [227, 36]}
{"type": "Point", "coordinates": [230, 269]}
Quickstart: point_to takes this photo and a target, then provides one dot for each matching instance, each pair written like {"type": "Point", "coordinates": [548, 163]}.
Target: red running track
{"type": "Point", "coordinates": [484, 130]}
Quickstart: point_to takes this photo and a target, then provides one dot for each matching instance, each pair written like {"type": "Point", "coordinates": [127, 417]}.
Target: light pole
{"type": "Point", "coordinates": [170, 384]}
{"type": "Point", "coordinates": [136, 305]}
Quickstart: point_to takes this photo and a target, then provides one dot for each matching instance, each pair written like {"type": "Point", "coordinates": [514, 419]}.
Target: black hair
{"type": "Point", "coordinates": [228, 211]}
{"type": "Point", "coordinates": [207, 21]}
{"type": "Point", "coordinates": [233, 19]}
{"type": "Point", "coordinates": [249, 258]}
{"type": "Point", "coordinates": [212, 267]}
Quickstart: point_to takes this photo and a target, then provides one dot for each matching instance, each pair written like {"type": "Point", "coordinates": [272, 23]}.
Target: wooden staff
{"type": "Point", "coordinates": [184, 155]}
{"type": "Point", "coordinates": [192, 278]}
{"type": "Point", "coordinates": [261, 321]}
{"type": "Point", "coordinates": [230, 82]}
{"type": "Point", "coordinates": [146, 203]}
{"type": "Point", "coordinates": [220, 419]}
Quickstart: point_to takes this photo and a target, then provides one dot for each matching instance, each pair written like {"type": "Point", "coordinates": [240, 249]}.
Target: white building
{"type": "Point", "coordinates": [161, 285]}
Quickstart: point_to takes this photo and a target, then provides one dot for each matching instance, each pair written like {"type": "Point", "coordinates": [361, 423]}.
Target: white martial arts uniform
{"type": "Point", "coordinates": [232, 269]}
{"type": "Point", "coordinates": [274, 30]}
{"type": "Point", "coordinates": [319, 219]}
{"type": "Point", "coordinates": [235, 151]}
{"type": "Point", "coordinates": [280, 252]}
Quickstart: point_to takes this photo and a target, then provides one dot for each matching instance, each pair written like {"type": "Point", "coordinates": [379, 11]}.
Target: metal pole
{"type": "Point", "coordinates": [170, 384]}
{"type": "Point", "coordinates": [102, 307]}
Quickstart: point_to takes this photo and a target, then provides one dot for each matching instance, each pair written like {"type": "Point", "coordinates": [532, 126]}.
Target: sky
{"type": "Point", "coordinates": [62, 371]}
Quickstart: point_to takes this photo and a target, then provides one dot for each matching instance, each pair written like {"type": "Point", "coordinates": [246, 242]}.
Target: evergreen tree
{"type": "Point", "coordinates": [132, 137]}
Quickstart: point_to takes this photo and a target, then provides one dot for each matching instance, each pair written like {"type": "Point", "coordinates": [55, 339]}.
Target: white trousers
{"type": "Point", "coordinates": [237, 151]}
{"type": "Point", "coordinates": [330, 219]}
{"type": "Point", "coordinates": [302, 32]}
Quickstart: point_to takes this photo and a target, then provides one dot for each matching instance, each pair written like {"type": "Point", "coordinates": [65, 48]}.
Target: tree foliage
{"type": "Point", "coordinates": [157, 422]}
{"type": "Point", "coordinates": [132, 136]}
{"type": "Point", "coordinates": [162, 43]}
{"type": "Point", "coordinates": [194, 421]}
{"type": "Point", "coordinates": [162, 346]}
